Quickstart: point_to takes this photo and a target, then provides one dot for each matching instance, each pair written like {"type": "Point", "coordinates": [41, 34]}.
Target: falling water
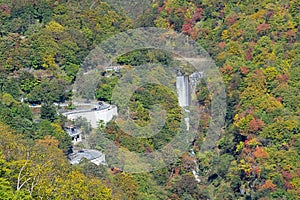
{"type": "Point", "coordinates": [183, 90]}
{"type": "Point", "coordinates": [195, 171]}
{"type": "Point", "coordinates": [184, 85]}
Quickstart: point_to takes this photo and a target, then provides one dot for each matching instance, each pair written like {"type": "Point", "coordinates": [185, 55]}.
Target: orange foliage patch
{"type": "Point", "coordinates": [262, 27]}
{"type": "Point", "coordinates": [255, 125]}
{"type": "Point", "coordinates": [48, 141]}
{"type": "Point", "coordinates": [227, 69]}
{"type": "Point", "coordinates": [260, 153]}
{"type": "Point", "coordinates": [269, 185]}
{"type": "Point", "coordinates": [283, 78]}
{"type": "Point", "coordinates": [244, 70]}
{"type": "Point", "coordinates": [222, 45]}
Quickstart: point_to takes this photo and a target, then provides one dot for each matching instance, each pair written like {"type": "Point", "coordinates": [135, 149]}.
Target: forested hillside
{"type": "Point", "coordinates": [255, 45]}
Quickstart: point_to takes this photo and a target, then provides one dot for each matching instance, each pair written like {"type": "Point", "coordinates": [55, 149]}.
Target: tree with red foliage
{"type": "Point", "coordinates": [227, 69]}
{"type": "Point", "coordinates": [283, 78]}
{"type": "Point", "coordinates": [248, 54]}
{"type": "Point", "coordinates": [197, 15]}
{"type": "Point", "coordinates": [230, 20]}
{"type": "Point", "coordinates": [244, 70]}
{"type": "Point", "coordinates": [287, 175]}
{"type": "Point", "coordinates": [186, 28]}
{"type": "Point", "coordinates": [262, 28]}
{"type": "Point", "coordinates": [222, 45]}
{"type": "Point", "coordinates": [255, 125]}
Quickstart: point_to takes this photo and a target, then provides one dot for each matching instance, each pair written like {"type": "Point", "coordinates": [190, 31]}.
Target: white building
{"type": "Point", "coordinates": [75, 133]}
{"type": "Point", "coordinates": [103, 112]}
{"type": "Point", "coordinates": [95, 156]}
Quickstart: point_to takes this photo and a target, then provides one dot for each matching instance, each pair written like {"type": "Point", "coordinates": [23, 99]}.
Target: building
{"type": "Point", "coordinates": [113, 68]}
{"type": "Point", "coordinates": [75, 133]}
{"type": "Point", "coordinates": [95, 156]}
{"type": "Point", "coordinates": [96, 113]}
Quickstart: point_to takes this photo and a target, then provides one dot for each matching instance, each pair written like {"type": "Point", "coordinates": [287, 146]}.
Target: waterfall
{"type": "Point", "coordinates": [183, 90]}
{"type": "Point", "coordinates": [195, 171]}
{"type": "Point", "coordinates": [184, 85]}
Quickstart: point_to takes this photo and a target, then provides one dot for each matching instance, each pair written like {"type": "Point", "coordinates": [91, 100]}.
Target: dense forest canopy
{"type": "Point", "coordinates": [255, 45]}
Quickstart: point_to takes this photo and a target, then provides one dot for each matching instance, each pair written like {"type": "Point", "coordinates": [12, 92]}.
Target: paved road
{"type": "Point", "coordinates": [67, 104]}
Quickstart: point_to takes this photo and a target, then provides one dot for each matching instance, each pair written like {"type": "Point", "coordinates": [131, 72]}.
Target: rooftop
{"type": "Point", "coordinates": [95, 156]}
